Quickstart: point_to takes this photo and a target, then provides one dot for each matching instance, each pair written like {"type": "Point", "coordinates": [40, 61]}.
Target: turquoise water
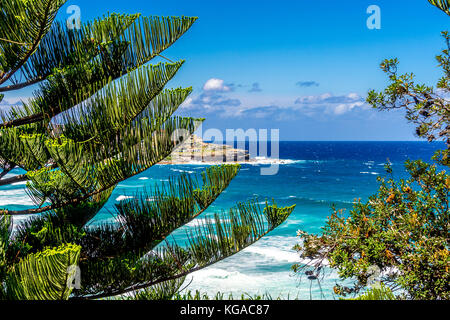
{"type": "Point", "coordinates": [318, 175]}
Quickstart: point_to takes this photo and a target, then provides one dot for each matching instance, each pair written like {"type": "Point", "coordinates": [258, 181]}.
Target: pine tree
{"type": "Point", "coordinates": [100, 114]}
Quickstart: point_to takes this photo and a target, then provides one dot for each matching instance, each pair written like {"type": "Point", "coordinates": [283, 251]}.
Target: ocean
{"type": "Point", "coordinates": [316, 176]}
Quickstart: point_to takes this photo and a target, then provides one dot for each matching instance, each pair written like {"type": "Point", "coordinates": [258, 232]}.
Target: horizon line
{"type": "Point", "coordinates": [424, 141]}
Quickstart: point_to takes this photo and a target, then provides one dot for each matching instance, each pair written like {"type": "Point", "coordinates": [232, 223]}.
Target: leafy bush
{"type": "Point", "coordinates": [402, 230]}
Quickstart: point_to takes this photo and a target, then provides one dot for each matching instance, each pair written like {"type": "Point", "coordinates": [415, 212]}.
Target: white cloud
{"type": "Point", "coordinates": [344, 108]}
{"type": "Point", "coordinates": [8, 102]}
{"type": "Point", "coordinates": [331, 104]}
{"type": "Point", "coordinates": [313, 99]}
{"type": "Point", "coordinates": [341, 109]}
{"type": "Point", "coordinates": [14, 101]}
{"type": "Point", "coordinates": [354, 96]}
{"type": "Point", "coordinates": [222, 100]}
{"type": "Point", "coordinates": [217, 85]}
{"type": "Point", "coordinates": [187, 103]}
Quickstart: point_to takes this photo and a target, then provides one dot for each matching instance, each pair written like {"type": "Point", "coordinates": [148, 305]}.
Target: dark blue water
{"type": "Point", "coordinates": [317, 176]}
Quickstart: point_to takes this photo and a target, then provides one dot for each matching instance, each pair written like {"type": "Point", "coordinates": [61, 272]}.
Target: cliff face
{"type": "Point", "coordinates": [195, 150]}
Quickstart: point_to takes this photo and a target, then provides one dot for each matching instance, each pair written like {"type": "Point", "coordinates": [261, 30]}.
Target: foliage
{"type": "Point", "coordinates": [100, 115]}
{"type": "Point", "coordinates": [377, 293]}
{"type": "Point", "coordinates": [402, 230]}
{"type": "Point", "coordinates": [425, 106]}
{"type": "Point", "coordinates": [400, 235]}
{"type": "Point", "coordinates": [43, 276]}
{"type": "Point", "coordinates": [168, 293]}
{"type": "Point", "coordinates": [193, 296]}
{"type": "Point", "coordinates": [444, 5]}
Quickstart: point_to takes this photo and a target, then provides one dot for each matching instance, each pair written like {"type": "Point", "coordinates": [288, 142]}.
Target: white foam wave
{"type": "Point", "coordinates": [203, 221]}
{"type": "Point", "coordinates": [15, 197]}
{"type": "Point", "coordinates": [195, 163]}
{"type": "Point", "coordinates": [19, 219]}
{"type": "Point", "coordinates": [19, 183]}
{"type": "Point", "coordinates": [16, 201]}
{"type": "Point", "coordinates": [274, 253]}
{"type": "Point", "coordinates": [235, 282]}
{"type": "Point", "coordinates": [253, 161]}
{"type": "Point", "coordinates": [15, 192]}
{"type": "Point", "coordinates": [264, 160]}
{"type": "Point", "coordinates": [374, 173]}
{"type": "Point", "coordinates": [125, 186]}
{"type": "Point", "coordinates": [231, 278]}
{"type": "Point", "coordinates": [182, 171]}
{"type": "Point", "coordinates": [121, 198]}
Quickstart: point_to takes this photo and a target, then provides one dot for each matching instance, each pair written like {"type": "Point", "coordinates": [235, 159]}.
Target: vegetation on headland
{"type": "Point", "coordinates": [100, 115]}
{"type": "Point", "coordinates": [197, 296]}
{"type": "Point", "coordinates": [196, 150]}
{"type": "Point", "coordinates": [399, 238]}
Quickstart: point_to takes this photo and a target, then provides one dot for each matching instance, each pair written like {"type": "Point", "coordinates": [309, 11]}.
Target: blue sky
{"type": "Point", "coordinates": [301, 66]}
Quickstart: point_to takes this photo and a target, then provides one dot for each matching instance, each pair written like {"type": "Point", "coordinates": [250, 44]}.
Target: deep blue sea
{"type": "Point", "coordinates": [317, 176]}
